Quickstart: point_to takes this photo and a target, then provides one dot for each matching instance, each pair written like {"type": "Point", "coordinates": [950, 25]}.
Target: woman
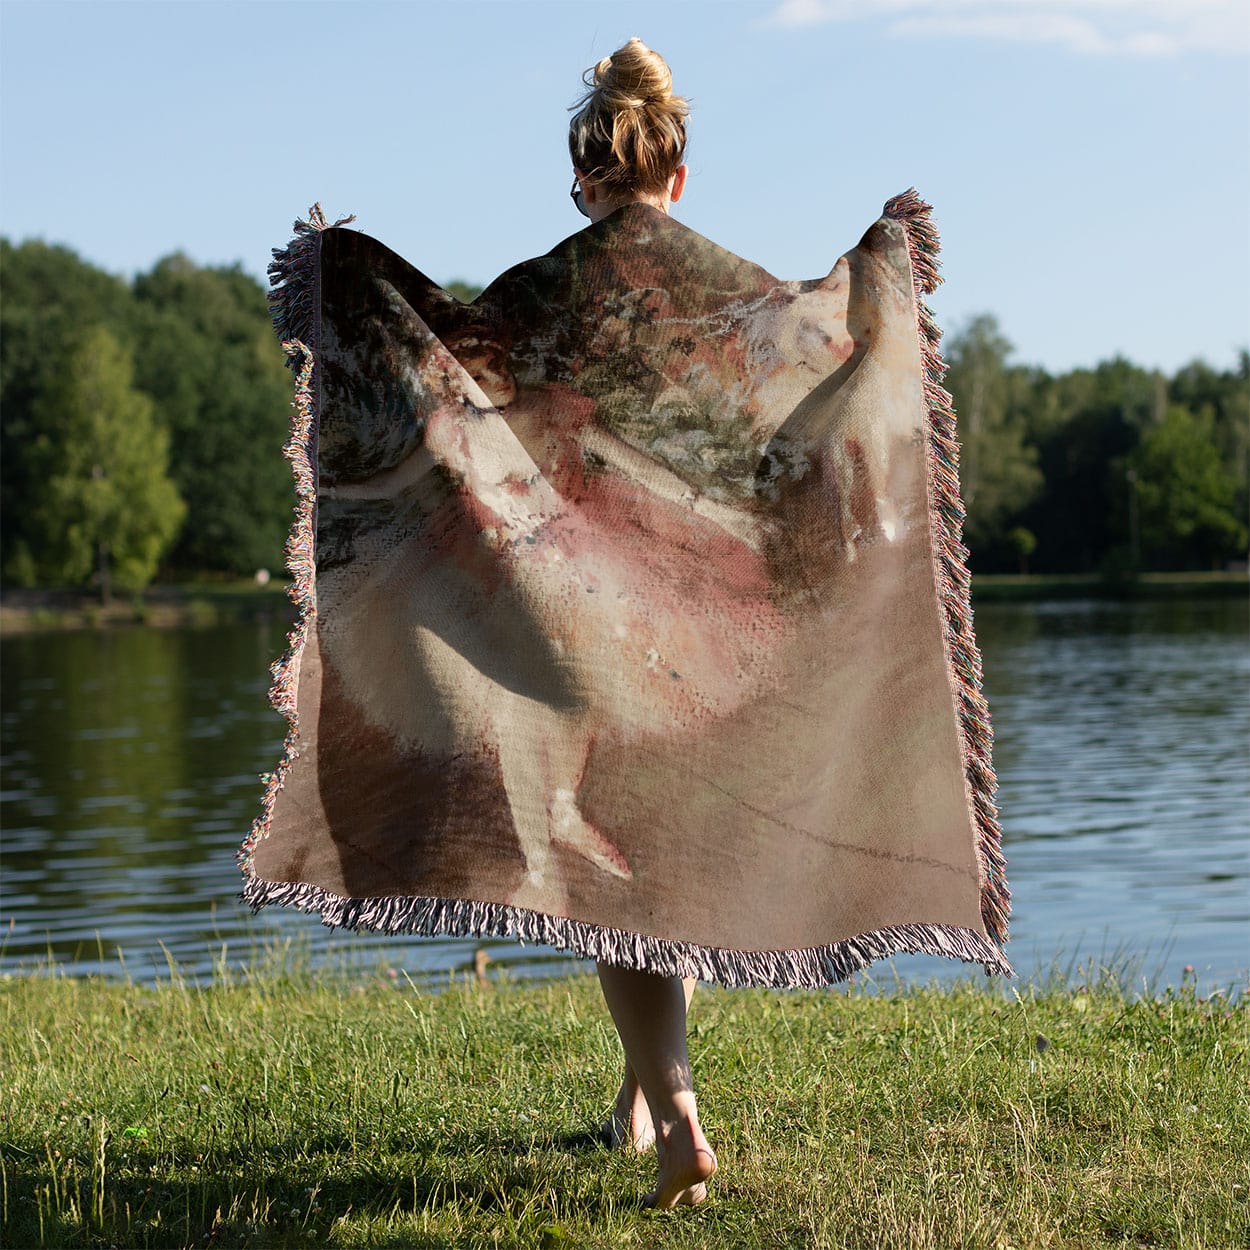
{"type": "Point", "coordinates": [635, 617]}
{"type": "Point", "coordinates": [628, 141]}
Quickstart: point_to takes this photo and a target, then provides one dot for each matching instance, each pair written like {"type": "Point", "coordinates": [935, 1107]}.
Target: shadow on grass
{"type": "Point", "coordinates": [255, 1198]}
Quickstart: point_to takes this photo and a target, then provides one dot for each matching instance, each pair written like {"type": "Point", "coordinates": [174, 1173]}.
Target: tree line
{"type": "Point", "coordinates": [142, 421]}
{"type": "Point", "coordinates": [1113, 470]}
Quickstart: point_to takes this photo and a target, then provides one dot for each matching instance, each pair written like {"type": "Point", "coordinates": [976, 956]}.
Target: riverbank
{"type": "Point", "coordinates": [218, 603]}
{"type": "Point", "coordinates": [996, 587]}
{"type": "Point", "coordinates": [193, 604]}
{"type": "Point", "coordinates": [287, 1110]}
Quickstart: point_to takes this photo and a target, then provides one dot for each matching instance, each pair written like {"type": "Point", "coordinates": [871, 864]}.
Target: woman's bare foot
{"type": "Point", "coordinates": [649, 1011]}
{"type": "Point", "coordinates": [686, 1165]}
{"type": "Point", "coordinates": [629, 1125]}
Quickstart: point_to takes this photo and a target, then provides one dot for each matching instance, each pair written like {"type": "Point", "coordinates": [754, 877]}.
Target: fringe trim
{"type": "Point", "coordinates": [295, 305]}
{"type": "Point", "coordinates": [954, 585]}
{"type": "Point", "coordinates": [810, 968]}
{"type": "Point", "coordinates": [295, 279]}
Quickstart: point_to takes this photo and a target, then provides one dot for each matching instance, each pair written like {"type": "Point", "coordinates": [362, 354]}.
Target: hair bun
{"type": "Point", "coordinates": [630, 129]}
{"type": "Point", "coordinates": [634, 76]}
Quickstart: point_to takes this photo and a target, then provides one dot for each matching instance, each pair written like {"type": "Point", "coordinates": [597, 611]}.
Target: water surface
{"type": "Point", "coordinates": [131, 759]}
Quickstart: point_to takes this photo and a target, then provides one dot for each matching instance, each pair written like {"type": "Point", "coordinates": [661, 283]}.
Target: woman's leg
{"type": "Point", "coordinates": [629, 1123]}
{"type": "Point", "coordinates": [650, 1015]}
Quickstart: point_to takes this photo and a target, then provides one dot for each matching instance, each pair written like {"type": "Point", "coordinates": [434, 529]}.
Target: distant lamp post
{"type": "Point", "coordinates": [1134, 526]}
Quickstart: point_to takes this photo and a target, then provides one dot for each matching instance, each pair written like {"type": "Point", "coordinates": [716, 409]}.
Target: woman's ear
{"type": "Point", "coordinates": [588, 186]}
{"type": "Point", "coordinates": [678, 185]}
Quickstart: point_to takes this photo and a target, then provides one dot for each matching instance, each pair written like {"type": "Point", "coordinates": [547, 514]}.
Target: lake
{"type": "Point", "coordinates": [1122, 734]}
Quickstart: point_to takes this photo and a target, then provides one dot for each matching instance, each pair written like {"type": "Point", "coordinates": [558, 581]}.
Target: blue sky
{"type": "Point", "coordinates": [1089, 160]}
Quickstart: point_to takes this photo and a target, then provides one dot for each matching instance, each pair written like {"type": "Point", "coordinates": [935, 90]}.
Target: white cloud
{"type": "Point", "coordinates": [1137, 28]}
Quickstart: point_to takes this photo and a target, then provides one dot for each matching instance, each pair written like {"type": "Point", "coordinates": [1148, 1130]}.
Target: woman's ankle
{"type": "Point", "coordinates": [677, 1112]}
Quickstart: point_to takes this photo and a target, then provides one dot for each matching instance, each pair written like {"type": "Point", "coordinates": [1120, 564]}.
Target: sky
{"type": "Point", "coordinates": [1088, 160]}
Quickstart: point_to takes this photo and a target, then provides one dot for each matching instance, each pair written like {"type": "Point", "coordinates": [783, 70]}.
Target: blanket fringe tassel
{"type": "Point", "coordinates": [951, 560]}
{"type": "Point", "coordinates": [294, 303]}
{"type": "Point", "coordinates": [810, 968]}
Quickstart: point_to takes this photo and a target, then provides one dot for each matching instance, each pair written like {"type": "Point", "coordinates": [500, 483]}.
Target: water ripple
{"type": "Point", "coordinates": [131, 773]}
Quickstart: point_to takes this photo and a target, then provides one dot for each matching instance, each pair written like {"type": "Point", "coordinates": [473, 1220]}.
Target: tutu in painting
{"type": "Point", "coordinates": [634, 613]}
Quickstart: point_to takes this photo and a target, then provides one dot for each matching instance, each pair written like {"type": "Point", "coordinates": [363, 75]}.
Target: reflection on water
{"type": "Point", "coordinates": [131, 764]}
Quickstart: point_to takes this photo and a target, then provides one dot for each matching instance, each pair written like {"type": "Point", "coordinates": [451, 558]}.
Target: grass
{"type": "Point", "coordinates": [285, 1108]}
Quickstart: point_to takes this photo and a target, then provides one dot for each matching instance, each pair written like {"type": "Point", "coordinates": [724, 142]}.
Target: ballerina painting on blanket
{"type": "Point", "coordinates": [635, 616]}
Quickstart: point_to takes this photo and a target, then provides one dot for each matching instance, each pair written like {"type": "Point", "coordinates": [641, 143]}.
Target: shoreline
{"type": "Point", "coordinates": [173, 606]}
{"type": "Point", "coordinates": [203, 604]}
{"type": "Point", "coordinates": [1122, 976]}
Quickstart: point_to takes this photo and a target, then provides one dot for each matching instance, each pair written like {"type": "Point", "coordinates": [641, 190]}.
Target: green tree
{"type": "Point", "coordinates": [1085, 424]}
{"type": "Point", "coordinates": [1023, 542]}
{"type": "Point", "coordinates": [1222, 398]}
{"type": "Point", "coordinates": [208, 357]}
{"type": "Point", "coordinates": [997, 467]}
{"type": "Point", "coordinates": [50, 296]}
{"type": "Point", "coordinates": [1185, 495]}
{"type": "Point", "coordinates": [465, 292]}
{"type": "Point", "coordinates": [105, 506]}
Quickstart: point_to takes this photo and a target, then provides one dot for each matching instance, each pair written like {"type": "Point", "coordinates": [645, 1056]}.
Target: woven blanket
{"type": "Point", "coordinates": [634, 616]}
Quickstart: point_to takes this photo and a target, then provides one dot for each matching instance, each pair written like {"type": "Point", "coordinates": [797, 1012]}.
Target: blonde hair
{"type": "Point", "coordinates": [629, 133]}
